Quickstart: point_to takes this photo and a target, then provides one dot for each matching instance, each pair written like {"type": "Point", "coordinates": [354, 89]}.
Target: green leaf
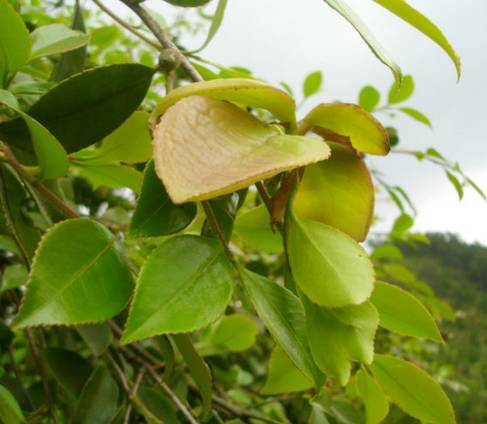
{"type": "Point", "coordinates": [113, 176]}
{"type": "Point", "coordinates": [10, 411]}
{"type": "Point", "coordinates": [328, 265]}
{"type": "Point", "coordinates": [155, 215]}
{"type": "Point", "coordinates": [456, 183]}
{"type": "Point", "coordinates": [184, 285]}
{"type": "Point", "coordinates": [129, 143]}
{"type": "Point", "coordinates": [8, 244]}
{"type": "Point", "coordinates": [283, 376]}
{"type": "Point", "coordinates": [312, 83]}
{"type": "Point", "coordinates": [13, 198]}
{"type": "Point", "coordinates": [375, 401]}
{"type": "Point", "coordinates": [14, 41]}
{"type": "Point", "coordinates": [13, 276]}
{"type": "Point", "coordinates": [349, 123]}
{"type": "Point", "coordinates": [416, 19]}
{"type": "Point", "coordinates": [97, 336]}
{"type": "Point", "coordinates": [167, 351]}
{"type": "Point", "coordinates": [72, 62]}
{"type": "Point", "coordinates": [338, 192]}
{"type": "Point", "coordinates": [78, 276]}
{"type": "Point", "coordinates": [347, 12]}
{"type": "Point", "coordinates": [198, 369]}
{"type": "Point", "coordinates": [205, 148]}
{"type": "Point", "coordinates": [413, 390]}
{"type": "Point", "coordinates": [387, 251]}
{"type": "Point", "coordinates": [158, 405]}
{"type": "Point", "coordinates": [403, 223]}
{"type": "Point", "coordinates": [340, 335]}
{"type": "Point", "coordinates": [224, 208]}
{"type": "Point", "coordinates": [401, 312]}
{"type": "Point", "coordinates": [55, 38]}
{"type": "Point", "coordinates": [243, 91]}
{"type": "Point", "coordinates": [369, 98]}
{"type": "Point", "coordinates": [253, 228]}
{"type": "Point", "coordinates": [403, 91]}
{"type": "Point", "coordinates": [85, 108]}
{"type": "Point", "coordinates": [7, 98]}
{"type": "Point", "coordinates": [70, 369]}
{"type": "Point", "coordinates": [417, 115]}
{"type": "Point", "coordinates": [235, 333]}
{"type": "Point", "coordinates": [187, 3]}
{"type": "Point", "coordinates": [98, 400]}
{"type": "Point", "coordinates": [283, 315]}
{"type": "Point", "coordinates": [216, 22]}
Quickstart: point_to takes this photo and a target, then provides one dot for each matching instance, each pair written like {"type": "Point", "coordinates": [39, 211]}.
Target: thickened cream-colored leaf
{"type": "Point", "coordinates": [243, 91]}
{"type": "Point", "coordinates": [351, 123]}
{"type": "Point", "coordinates": [204, 148]}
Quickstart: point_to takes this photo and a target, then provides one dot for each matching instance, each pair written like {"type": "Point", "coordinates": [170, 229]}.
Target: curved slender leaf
{"type": "Point", "coordinates": [328, 265]}
{"type": "Point", "coordinates": [401, 312]}
{"type": "Point", "coordinates": [283, 315]}
{"type": "Point", "coordinates": [205, 148]}
{"type": "Point", "coordinates": [375, 401]}
{"type": "Point", "coordinates": [10, 411]}
{"type": "Point", "coordinates": [413, 390]}
{"type": "Point", "coordinates": [347, 12]}
{"type": "Point", "coordinates": [416, 19]}
{"type": "Point", "coordinates": [417, 115]}
{"type": "Point", "coordinates": [78, 276]}
{"type": "Point", "coordinates": [349, 123]}
{"type": "Point", "coordinates": [247, 92]}
{"type": "Point", "coordinates": [155, 215]}
{"type": "Point", "coordinates": [215, 24]}
{"type": "Point", "coordinates": [338, 192]}
{"type": "Point", "coordinates": [184, 285]}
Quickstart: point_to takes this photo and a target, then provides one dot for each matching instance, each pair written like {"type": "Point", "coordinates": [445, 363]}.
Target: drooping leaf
{"type": "Point", "coordinates": [70, 369]}
{"type": "Point", "coordinates": [247, 92]}
{"type": "Point", "coordinates": [72, 62]}
{"type": "Point", "coordinates": [216, 22]}
{"type": "Point", "coordinates": [401, 312]}
{"type": "Point", "coordinates": [167, 351]}
{"type": "Point", "coordinates": [111, 175]}
{"type": "Point", "coordinates": [283, 315]}
{"type": "Point", "coordinates": [205, 148]}
{"type": "Point", "coordinates": [417, 115]}
{"type": "Point", "coordinates": [413, 390]}
{"type": "Point", "coordinates": [14, 41]}
{"type": "Point", "coordinates": [129, 143]}
{"type": "Point", "coordinates": [97, 403]}
{"type": "Point", "coordinates": [235, 333]}
{"type": "Point", "coordinates": [10, 411]}
{"type": "Point", "coordinates": [184, 285]}
{"type": "Point", "coordinates": [79, 276]}
{"type": "Point", "coordinates": [283, 376]}
{"type": "Point", "coordinates": [401, 92]}
{"type": "Point", "coordinates": [198, 369]}
{"type": "Point", "coordinates": [338, 192]}
{"type": "Point", "coordinates": [347, 12]}
{"type": "Point", "coordinates": [312, 83]}
{"type": "Point", "coordinates": [187, 3]}
{"type": "Point", "coordinates": [158, 405]}
{"type": "Point", "coordinates": [340, 335]}
{"type": "Point", "coordinates": [416, 19]}
{"type": "Point", "coordinates": [97, 336]}
{"type": "Point", "coordinates": [85, 108]}
{"type": "Point", "coordinates": [155, 215]}
{"type": "Point", "coordinates": [374, 399]}
{"type": "Point", "coordinates": [55, 38]}
{"type": "Point", "coordinates": [13, 197]}
{"type": "Point", "coordinates": [369, 98]}
{"type": "Point", "coordinates": [456, 184]}
{"type": "Point", "coordinates": [253, 228]}
{"type": "Point", "coordinates": [328, 265]}
{"type": "Point", "coordinates": [349, 123]}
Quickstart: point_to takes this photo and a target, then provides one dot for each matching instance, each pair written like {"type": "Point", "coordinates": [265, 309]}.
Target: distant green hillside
{"type": "Point", "coordinates": [458, 273]}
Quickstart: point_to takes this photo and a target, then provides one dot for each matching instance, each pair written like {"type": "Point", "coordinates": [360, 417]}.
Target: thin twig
{"type": "Point", "coordinates": [215, 228]}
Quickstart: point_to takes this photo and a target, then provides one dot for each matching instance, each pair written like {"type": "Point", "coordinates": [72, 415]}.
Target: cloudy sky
{"type": "Point", "coordinates": [283, 40]}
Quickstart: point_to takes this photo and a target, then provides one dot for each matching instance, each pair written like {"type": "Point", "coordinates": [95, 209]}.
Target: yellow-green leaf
{"type": "Point", "coordinates": [338, 192]}
{"type": "Point", "coordinates": [349, 123]}
{"type": "Point", "coordinates": [328, 265]}
{"type": "Point", "coordinates": [416, 19]}
{"type": "Point", "coordinates": [204, 148]}
{"type": "Point", "coordinates": [246, 92]}
{"type": "Point", "coordinates": [375, 401]}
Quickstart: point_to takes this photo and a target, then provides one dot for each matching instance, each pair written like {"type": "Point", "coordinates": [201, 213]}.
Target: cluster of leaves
{"type": "Point", "coordinates": [202, 266]}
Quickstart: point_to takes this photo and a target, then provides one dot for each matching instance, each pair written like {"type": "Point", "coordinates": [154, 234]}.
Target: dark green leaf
{"type": "Point", "coordinates": [97, 336]}
{"type": "Point", "coordinates": [98, 400]}
{"type": "Point", "coordinates": [401, 92]}
{"type": "Point", "coordinates": [13, 276]}
{"type": "Point", "coordinates": [158, 405]}
{"type": "Point", "coordinates": [198, 369]}
{"type": "Point", "coordinates": [79, 276]}
{"type": "Point", "coordinates": [10, 412]}
{"type": "Point", "coordinates": [312, 83]}
{"type": "Point", "coordinates": [188, 3]}
{"type": "Point", "coordinates": [184, 285]}
{"type": "Point", "coordinates": [167, 352]}
{"type": "Point", "coordinates": [224, 208]}
{"type": "Point", "coordinates": [369, 98]}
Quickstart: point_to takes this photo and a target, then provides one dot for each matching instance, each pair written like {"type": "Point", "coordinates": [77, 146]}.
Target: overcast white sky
{"type": "Point", "coordinates": [283, 40]}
